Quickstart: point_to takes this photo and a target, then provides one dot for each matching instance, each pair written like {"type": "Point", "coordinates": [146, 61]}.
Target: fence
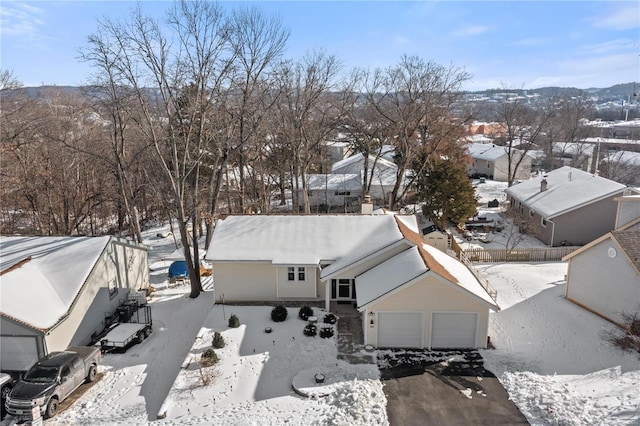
{"type": "Point", "coordinates": [484, 283]}
{"type": "Point", "coordinates": [551, 254]}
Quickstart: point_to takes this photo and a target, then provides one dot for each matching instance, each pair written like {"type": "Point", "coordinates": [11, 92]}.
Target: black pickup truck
{"type": "Point", "coordinates": [52, 379]}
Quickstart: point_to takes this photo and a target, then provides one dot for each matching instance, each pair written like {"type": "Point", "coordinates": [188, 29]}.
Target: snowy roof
{"type": "Point", "coordinates": [410, 265]}
{"type": "Point", "coordinates": [300, 240]}
{"type": "Point", "coordinates": [567, 190]}
{"type": "Point", "coordinates": [349, 182]}
{"type": "Point", "coordinates": [483, 151]}
{"type": "Point", "coordinates": [626, 158]}
{"type": "Point", "coordinates": [356, 162]}
{"type": "Point", "coordinates": [573, 148]}
{"type": "Point", "coordinates": [42, 275]}
{"type": "Point", "coordinates": [479, 138]}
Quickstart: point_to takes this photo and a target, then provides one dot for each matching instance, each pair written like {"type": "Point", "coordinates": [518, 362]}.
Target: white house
{"type": "Point", "coordinates": [604, 275]}
{"type": "Point", "coordinates": [56, 291]}
{"type": "Point", "coordinates": [333, 190]}
{"type": "Point", "coordinates": [410, 294]}
{"type": "Point", "coordinates": [492, 161]}
{"type": "Point", "coordinates": [622, 166]}
{"type": "Point", "coordinates": [381, 173]}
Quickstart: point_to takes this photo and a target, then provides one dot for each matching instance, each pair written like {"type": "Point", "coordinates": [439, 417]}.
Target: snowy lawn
{"type": "Point", "coordinates": [550, 354]}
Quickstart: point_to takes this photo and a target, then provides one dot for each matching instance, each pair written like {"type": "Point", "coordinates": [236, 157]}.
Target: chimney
{"type": "Point", "coordinates": [543, 185]}
{"type": "Point", "coordinates": [367, 205]}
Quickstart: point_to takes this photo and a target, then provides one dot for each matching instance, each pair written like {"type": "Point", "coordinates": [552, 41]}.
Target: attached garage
{"type": "Point", "coordinates": [18, 353]}
{"type": "Point", "coordinates": [400, 329]}
{"type": "Point", "coordinates": [454, 329]}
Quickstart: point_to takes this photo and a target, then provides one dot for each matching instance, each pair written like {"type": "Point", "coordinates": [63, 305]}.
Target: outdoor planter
{"type": "Point", "coordinates": [319, 377]}
{"type": "Point", "coordinates": [326, 332]}
{"type": "Point", "coordinates": [310, 330]}
{"type": "Point", "coordinates": [330, 319]}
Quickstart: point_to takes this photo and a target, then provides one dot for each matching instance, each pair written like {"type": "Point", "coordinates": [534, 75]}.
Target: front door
{"type": "Point", "coordinates": [344, 289]}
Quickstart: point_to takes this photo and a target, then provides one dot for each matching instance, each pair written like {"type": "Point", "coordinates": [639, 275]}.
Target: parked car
{"type": "Point", "coordinates": [6, 384]}
{"type": "Point", "coordinates": [52, 379]}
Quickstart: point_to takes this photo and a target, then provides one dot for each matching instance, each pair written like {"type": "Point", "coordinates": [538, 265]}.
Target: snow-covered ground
{"type": "Point", "coordinates": [550, 355]}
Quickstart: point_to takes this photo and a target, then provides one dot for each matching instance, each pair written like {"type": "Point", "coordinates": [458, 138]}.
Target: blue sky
{"type": "Point", "coordinates": [500, 43]}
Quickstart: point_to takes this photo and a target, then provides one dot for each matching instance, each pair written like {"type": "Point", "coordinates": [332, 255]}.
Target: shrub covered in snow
{"type": "Point", "coordinates": [234, 322]}
{"type": "Point", "coordinates": [218, 340]}
{"type": "Point", "coordinates": [305, 312]}
{"type": "Point", "coordinates": [209, 358]}
{"type": "Point", "coordinates": [279, 313]}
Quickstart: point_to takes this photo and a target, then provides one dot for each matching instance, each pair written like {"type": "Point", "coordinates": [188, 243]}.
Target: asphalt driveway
{"type": "Point", "coordinates": [428, 391]}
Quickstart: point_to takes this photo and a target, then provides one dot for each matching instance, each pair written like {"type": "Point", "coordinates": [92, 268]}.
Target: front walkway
{"type": "Point", "coordinates": [350, 334]}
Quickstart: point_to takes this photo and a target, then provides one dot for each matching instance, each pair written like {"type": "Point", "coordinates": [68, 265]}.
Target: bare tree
{"type": "Point", "coordinates": [255, 42]}
{"type": "Point", "coordinates": [172, 76]}
{"type": "Point", "coordinates": [525, 122]}
{"type": "Point", "coordinates": [310, 108]}
{"type": "Point", "coordinates": [412, 97]}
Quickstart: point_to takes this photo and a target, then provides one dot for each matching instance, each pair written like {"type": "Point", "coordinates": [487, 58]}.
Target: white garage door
{"type": "Point", "coordinates": [454, 330]}
{"type": "Point", "coordinates": [17, 353]}
{"type": "Point", "coordinates": [400, 329]}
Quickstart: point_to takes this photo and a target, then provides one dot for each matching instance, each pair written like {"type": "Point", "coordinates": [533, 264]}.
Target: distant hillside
{"type": "Point", "coordinates": [616, 92]}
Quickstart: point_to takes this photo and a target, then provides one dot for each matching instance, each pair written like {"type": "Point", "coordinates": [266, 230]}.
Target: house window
{"type": "Point", "coordinates": [291, 273]}
{"type": "Point", "coordinates": [343, 192]}
{"type": "Point", "coordinates": [113, 287]}
{"type": "Point", "coordinates": [543, 221]}
{"type": "Point", "coordinates": [531, 213]}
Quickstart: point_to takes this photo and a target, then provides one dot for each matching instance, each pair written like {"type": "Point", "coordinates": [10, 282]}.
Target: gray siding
{"type": "Point", "coordinates": [586, 224]}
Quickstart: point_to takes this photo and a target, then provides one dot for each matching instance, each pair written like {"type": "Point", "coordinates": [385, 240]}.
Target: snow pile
{"type": "Point", "coordinates": [604, 397]}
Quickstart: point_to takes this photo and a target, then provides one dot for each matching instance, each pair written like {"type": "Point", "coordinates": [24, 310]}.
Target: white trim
{"type": "Point", "coordinates": [477, 314]}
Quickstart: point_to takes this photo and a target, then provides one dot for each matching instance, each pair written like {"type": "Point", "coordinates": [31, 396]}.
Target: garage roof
{"type": "Point", "coordinates": [41, 276]}
{"type": "Point", "coordinates": [410, 265]}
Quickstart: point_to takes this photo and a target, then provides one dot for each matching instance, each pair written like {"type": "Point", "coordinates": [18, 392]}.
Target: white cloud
{"type": "Point", "coordinates": [530, 42]}
{"type": "Point", "coordinates": [19, 19]}
{"type": "Point", "coordinates": [610, 46]}
{"type": "Point", "coordinates": [471, 30]}
{"type": "Point", "coordinates": [625, 18]}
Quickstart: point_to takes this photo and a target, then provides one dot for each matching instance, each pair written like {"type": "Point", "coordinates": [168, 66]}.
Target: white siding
{"type": "Point", "coordinates": [296, 288]}
{"type": "Point", "coordinates": [607, 285]}
{"type": "Point", "coordinates": [129, 267]}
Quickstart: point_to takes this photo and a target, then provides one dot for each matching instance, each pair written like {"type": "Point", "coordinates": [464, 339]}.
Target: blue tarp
{"type": "Point", "coordinates": [178, 269]}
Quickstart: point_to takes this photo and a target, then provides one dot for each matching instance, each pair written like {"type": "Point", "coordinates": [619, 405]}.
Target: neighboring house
{"type": "Point", "coordinates": [327, 191]}
{"type": "Point", "coordinates": [410, 294]}
{"type": "Point", "coordinates": [492, 161]}
{"type": "Point", "coordinates": [566, 206]}
{"type": "Point", "coordinates": [623, 167]}
{"type": "Point", "coordinates": [381, 172]}
{"type": "Point", "coordinates": [604, 275]}
{"type": "Point", "coordinates": [577, 155]}
{"type": "Point", "coordinates": [56, 291]}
